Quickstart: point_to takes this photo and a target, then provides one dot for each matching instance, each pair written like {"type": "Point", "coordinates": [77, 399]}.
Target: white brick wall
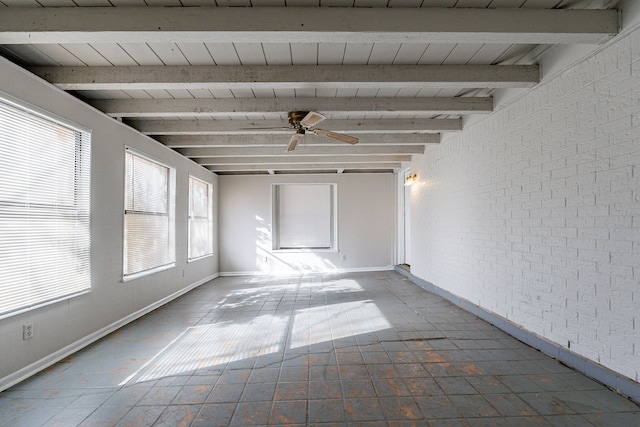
{"type": "Point", "coordinates": [534, 212]}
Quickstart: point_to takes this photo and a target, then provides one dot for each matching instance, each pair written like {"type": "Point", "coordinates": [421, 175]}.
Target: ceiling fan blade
{"type": "Point", "coordinates": [293, 142]}
{"type": "Point", "coordinates": [339, 136]}
{"type": "Point", "coordinates": [311, 119]}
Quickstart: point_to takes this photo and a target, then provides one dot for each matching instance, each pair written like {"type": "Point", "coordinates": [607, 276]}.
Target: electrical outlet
{"type": "Point", "coordinates": [27, 331]}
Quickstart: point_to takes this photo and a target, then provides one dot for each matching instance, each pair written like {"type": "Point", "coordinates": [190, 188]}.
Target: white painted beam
{"type": "Point", "coordinates": [311, 160]}
{"type": "Point", "coordinates": [289, 76]}
{"type": "Point", "coordinates": [195, 141]}
{"type": "Point", "coordinates": [221, 127]}
{"type": "Point", "coordinates": [328, 106]}
{"type": "Point", "coordinates": [303, 25]}
{"type": "Point", "coordinates": [345, 150]}
{"type": "Point", "coordinates": [304, 167]}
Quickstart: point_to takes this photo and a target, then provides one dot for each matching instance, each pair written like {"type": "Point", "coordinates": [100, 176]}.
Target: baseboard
{"type": "Point", "coordinates": [45, 362]}
{"type": "Point", "coordinates": [294, 273]}
{"type": "Point", "coordinates": [621, 384]}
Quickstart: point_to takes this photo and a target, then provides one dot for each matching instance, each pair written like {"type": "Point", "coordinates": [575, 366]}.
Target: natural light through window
{"type": "Point", "coordinates": [200, 218]}
{"type": "Point", "coordinates": [216, 344]}
{"type": "Point", "coordinates": [149, 227]}
{"type": "Point", "coordinates": [44, 209]}
{"type": "Point", "coordinates": [304, 216]}
{"type": "Point", "coordinates": [211, 345]}
{"type": "Point", "coordinates": [336, 321]}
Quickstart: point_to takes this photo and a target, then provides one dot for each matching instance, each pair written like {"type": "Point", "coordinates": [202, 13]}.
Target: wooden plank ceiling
{"type": "Point", "coordinates": [209, 80]}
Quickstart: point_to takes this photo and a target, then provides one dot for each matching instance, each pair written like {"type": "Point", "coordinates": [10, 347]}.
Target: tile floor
{"type": "Point", "coordinates": [367, 349]}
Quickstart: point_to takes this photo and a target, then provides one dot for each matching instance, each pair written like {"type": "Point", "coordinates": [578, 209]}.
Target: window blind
{"type": "Point", "coordinates": [148, 219]}
{"type": "Point", "coordinates": [200, 218]}
{"type": "Point", "coordinates": [44, 209]}
{"type": "Point", "coordinates": [305, 216]}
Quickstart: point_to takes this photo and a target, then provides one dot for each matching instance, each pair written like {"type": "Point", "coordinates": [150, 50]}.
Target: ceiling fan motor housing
{"type": "Point", "coordinates": [295, 117]}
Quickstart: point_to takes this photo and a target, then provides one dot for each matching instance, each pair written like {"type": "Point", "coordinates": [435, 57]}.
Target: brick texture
{"type": "Point", "coordinates": [534, 212]}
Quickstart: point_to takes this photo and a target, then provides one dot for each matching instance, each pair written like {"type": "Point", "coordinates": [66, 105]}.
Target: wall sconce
{"type": "Point", "coordinates": [410, 179]}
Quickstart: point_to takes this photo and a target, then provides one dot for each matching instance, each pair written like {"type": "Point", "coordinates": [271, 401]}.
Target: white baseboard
{"type": "Point", "coordinates": [45, 362]}
{"type": "Point", "coordinates": [295, 273]}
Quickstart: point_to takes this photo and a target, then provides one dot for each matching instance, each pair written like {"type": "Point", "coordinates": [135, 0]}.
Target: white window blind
{"type": "Point", "coordinates": [200, 218]}
{"type": "Point", "coordinates": [304, 216]}
{"type": "Point", "coordinates": [44, 209]}
{"type": "Point", "coordinates": [148, 215]}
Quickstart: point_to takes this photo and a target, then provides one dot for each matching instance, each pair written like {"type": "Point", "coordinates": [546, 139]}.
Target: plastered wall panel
{"type": "Point", "coordinates": [110, 300]}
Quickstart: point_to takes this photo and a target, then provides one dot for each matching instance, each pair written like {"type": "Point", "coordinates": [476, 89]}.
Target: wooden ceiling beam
{"type": "Point", "coordinates": [300, 159]}
{"type": "Point", "coordinates": [197, 141]}
{"type": "Point", "coordinates": [303, 167]}
{"type": "Point", "coordinates": [143, 108]}
{"type": "Point", "coordinates": [289, 76]}
{"type": "Point", "coordinates": [254, 127]}
{"type": "Point", "coordinates": [311, 151]}
{"type": "Point", "coordinates": [304, 25]}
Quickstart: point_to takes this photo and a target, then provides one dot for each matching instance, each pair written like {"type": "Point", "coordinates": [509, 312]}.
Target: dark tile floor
{"type": "Point", "coordinates": [367, 349]}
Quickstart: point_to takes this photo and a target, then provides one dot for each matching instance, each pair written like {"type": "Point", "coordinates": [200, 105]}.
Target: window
{"type": "Point", "coordinates": [304, 216]}
{"type": "Point", "coordinates": [148, 215]}
{"type": "Point", "coordinates": [44, 209]}
{"type": "Point", "coordinates": [200, 218]}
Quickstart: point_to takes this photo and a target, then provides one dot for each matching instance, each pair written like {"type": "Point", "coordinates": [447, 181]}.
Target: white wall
{"type": "Point", "coordinates": [366, 212]}
{"type": "Point", "coordinates": [534, 212]}
{"type": "Point", "coordinates": [110, 300]}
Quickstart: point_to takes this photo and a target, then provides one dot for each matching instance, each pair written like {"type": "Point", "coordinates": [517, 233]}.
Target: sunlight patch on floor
{"type": "Point", "coordinates": [336, 321]}
{"type": "Point", "coordinates": [210, 345]}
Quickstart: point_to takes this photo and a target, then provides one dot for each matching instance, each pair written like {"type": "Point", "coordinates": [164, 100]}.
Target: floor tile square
{"type": "Point", "coordinates": [140, 416]}
{"type": "Point", "coordinates": [294, 373]}
{"type": "Point", "coordinates": [323, 373]}
{"type": "Point", "coordinates": [487, 384]}
{"type": "Point", "coordinates": [191, 395]}
{"type": "Point", "coordinates": [106, 415]}
{"type": "Point", "coordinates": [437, 407]}
{"type": "Point", "coordinates": [371, 357]}
{"type": "Point", "coordinates": [455, 385]}
{"type": "Point", "coordinates": [358, 388]}
{"type": "Point", "coordinates": [363, 409]}
{"type": "Point", "coordinates": [223, 393]}
{"type": "Point", "coordinates": [253, 413]}
{"type": "Point", "coordinates": [256, 392]}
{"type": "Point", "coordinates": [289, 412]}
{"type": "Point", "coordinates": [326, 410]}
{"type": "Point", "coordinates": [402, 408]}
{"type": "Point", "coordinates": [264, 375]}
{"type": "Point", "coordinates": [325, 390]}
{"type": "Point", "coordinates": [292, 391]}
{"type": "Point", "coordinates": [215, 414]}
{"type": "Point", "coordinates": [473, 406]}
{"type": "Point", "coordinates": [159, 396]}
{"type": "Point", "coordinates": [353, 372]}
{"type": "Point", "coordinates": [546, 403]}
{"type": "Point", "coordinates": [422, 386]}
{"type": "Point", "coordinates": [390, 387]}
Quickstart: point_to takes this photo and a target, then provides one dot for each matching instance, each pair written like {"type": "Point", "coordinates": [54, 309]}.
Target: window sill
{"type": "Point", "coordinates": [199, 258]}
{"type": "Point", "coordinates": [304, 250]}
{"type": "Point", "coordinates": [133, 276]}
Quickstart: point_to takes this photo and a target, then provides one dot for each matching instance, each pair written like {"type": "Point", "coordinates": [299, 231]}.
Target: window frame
{"type": "Point", "coordinates": [171, 217]}
{"type": "Point", "coordinates": [79, 209]}
{"type": "Point", "coordinates": [209, 217]}
{"type": "Point", "coordinates": [276, 221]}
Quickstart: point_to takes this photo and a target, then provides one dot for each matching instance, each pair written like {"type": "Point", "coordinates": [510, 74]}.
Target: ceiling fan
{"type": "Point", "coordinates": [303, 122]}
